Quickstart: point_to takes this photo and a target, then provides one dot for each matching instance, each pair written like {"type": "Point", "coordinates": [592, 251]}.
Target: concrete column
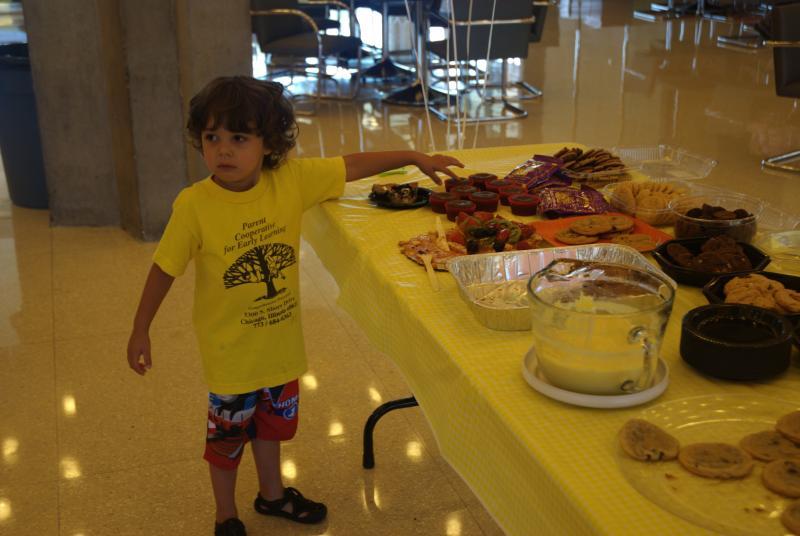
{"type": "Point", "coordinates": [113, 79]}
{"type": "Point", "coordinates": [72, 96]}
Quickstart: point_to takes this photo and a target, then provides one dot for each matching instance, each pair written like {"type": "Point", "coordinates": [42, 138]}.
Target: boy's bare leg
{"type": "Point", "coordinates": [224, 483]}
{"type": "Point", "coordinates": [267, 455]}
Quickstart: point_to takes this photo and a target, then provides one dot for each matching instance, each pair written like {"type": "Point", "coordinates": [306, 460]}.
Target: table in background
{"type": "Point", "coordinates": [538, 466]}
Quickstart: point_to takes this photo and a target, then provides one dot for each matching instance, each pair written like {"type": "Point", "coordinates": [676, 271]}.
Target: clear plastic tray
{"type": "Point", "coordinates": [480, 275]}
{"type": "Point", "coordinates": [666, 163]}
{"type": "Point", "coordinates": [655, 216]}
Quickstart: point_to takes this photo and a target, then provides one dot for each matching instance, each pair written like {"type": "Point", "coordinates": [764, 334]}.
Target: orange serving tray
{"type": "Point", "coordinates": [547, 229]}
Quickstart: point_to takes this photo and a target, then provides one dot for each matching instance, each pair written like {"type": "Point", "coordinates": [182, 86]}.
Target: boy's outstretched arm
{"type": "Point", "coordinates": [155, 288]}
{"type": "Point", "coordinates": [360, 165]}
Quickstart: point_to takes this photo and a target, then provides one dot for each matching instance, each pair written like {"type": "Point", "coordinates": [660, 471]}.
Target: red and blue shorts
{"type": "Point", "coordinates": [269, 414]}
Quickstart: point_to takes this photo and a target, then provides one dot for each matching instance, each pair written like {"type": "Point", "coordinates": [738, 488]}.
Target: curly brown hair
{"type": "Point", "coordinates": [244, 104]}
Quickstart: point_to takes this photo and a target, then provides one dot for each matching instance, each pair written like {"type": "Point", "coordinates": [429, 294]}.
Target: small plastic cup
{"type": "Point", "coordinates": [506, 191]}
{"type": "Point", "coordinates": [437, 201]}
{"type": "Point", "coordinates": [495, 185]}
{"type": "Point", "coordinates": [485, 201]}
{"type": "Point", "coordinates": [463, 191]}
{"type": "Point", "coordinates": [454, 208]}
{"type": "Point", "coordinates": [523, 204]}
{"type": "Point", "coordinates": [479, 180]}
{"type": "Point", "coordinates": [451, 183]}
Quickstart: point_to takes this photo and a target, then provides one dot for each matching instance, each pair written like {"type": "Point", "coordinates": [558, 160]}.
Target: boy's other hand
{"type": "Point", "coordinates": [430, 165]}
{"type": "Point", "coordinates": [139, 352]}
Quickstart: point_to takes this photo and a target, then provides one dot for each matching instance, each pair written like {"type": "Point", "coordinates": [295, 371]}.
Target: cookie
{"type": "Point", "coordinates": [636, 241]}
{"type": "Point", "coordinates": [620, 223]}
{"type": "Point", "coordinates": [769, 445]}
{"type": "Point", "coordinates": [791, 517]}
{"type": "Point", "coordinates": [592, 225]}
{"type": "Point", "coordinates": [716, 460]}
{"type": "Point", "coordinates": [789, 426]}
{"type": "Point", "coordinates": [568, 237]}
{"type": "Point", "coordinates": [609, 236]}
{"type": "Point", "coordinates": [645, 441]}
{"type": "Point", "coordinates": [782, 477]}
{"type": "Point", "coordinates": [788, 300]}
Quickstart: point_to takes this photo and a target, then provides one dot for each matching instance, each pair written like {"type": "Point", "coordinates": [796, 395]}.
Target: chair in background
{"type": "Point", "coordinates": [510, 28]}
{"type": "Point", "coordinates": [288, 36]}
{"type": "Point", "coordinates": [785, 38]}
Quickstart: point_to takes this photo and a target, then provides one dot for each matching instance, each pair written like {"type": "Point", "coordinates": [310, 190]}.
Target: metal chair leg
{"type": "Point", "coordinates": [380, 411]}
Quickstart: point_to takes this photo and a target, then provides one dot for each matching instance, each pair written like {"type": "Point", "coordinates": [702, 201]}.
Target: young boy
{"type": "Point", "coordinates": [241, 225]}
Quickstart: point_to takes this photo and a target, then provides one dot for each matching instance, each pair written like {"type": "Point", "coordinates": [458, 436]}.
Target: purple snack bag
{"type": "Point", "coordinates": [559, 202]}
{"type": "Point", "coordinates": [534, 169]}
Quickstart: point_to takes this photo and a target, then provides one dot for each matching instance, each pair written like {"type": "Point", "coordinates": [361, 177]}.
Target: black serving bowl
{"type": "Point", "coordinates": [797, 336]}
{"type": "Point", "coordinates": [696, 278]}
{"type": "Point", "coordinates": [714, 291]}
{"type": "Point", "coordinates": [736, 342]}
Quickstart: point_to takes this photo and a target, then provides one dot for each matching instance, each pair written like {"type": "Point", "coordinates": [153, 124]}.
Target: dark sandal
{"type": "Point", "coordinates": [230, 527]}
{"type": "Point", "coordinates": [303, 510]}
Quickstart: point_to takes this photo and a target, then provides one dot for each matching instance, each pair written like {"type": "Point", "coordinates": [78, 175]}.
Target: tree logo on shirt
{"type": "Point", "coordinates": [262, 264]}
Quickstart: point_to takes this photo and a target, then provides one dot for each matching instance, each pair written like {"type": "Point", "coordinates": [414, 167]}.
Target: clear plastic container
{"type": "Point", "coordinates": [654, 216]}
{"type": "Point", "coordinates": [666, 163]}
{"type": "Point", "coordinates": [783, 248]}
{"type": "Point", "coordinates": [741, 229]}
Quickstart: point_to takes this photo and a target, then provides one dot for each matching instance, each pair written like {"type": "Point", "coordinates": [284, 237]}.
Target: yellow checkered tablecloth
{"type": "Point", "coordinates": [539, 466]}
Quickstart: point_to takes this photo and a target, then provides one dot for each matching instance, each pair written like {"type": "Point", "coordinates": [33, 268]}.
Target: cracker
{"type": "Point", "coordinates": [645, 441]}
{"type": "Point", "coordinates": [782, 477]}
{"type": "Point", "coordinates": [716, 460]}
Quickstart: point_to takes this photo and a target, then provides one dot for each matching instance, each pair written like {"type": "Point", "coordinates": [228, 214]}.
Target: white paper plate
{"type": "Point", "coordinates": [530, 371]}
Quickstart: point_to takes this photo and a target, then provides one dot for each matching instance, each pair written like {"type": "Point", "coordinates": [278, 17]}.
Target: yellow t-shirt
{"type": "Point", "coordinates": [246, 248]}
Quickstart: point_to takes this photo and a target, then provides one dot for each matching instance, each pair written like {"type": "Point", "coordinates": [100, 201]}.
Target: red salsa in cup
{"type": "Point", "coordinates": [463, 191]}
{"type": "Point", "coordinates": [453, 208]}
{"type": "Point", "coordinates": [437, 201]}
{"type": "Point", "coordinates": [451, 183]}
{"type": "Point", "coordinates": [485, 201]}
{"type": "Point", "coordinates": [479, 180]}
{"type": "Point", "coordinates": [495, 185]}
{"type": "Point", "coordinates": [506, 191]}
{"type": "Point", "coordinates": [523, 204]}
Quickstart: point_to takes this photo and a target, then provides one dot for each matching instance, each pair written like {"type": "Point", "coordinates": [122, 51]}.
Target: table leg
{"type": "Point", "coordinates": [380, 411]}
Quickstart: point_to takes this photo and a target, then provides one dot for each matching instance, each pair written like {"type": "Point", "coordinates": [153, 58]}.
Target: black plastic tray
{"type": "Point", "coordinates": [695, 278]}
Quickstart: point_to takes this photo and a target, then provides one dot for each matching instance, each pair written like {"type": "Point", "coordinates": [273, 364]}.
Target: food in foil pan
{"type": "Point", "coordinates": [536, 168]}
{"type": "Point", "coordinates": [491, 283]}
{"type": "Point", "coordinates": [558, 202]}
{"type": "Point", "coordinates": [508, 294]}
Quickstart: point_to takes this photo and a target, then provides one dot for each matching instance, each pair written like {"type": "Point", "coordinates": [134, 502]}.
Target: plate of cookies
{"type": "Point", "coordinates": [611, 228]}
{"type": "Point", "coordinates": [777, 292]}
{"type": "Point", "coordinates": [591, 164]}
{"type": "Point", "coordinates": [728, 463]}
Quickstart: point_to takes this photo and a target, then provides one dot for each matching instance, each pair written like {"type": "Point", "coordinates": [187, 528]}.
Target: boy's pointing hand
{"type": "Point", "coordinates": [430, 165]}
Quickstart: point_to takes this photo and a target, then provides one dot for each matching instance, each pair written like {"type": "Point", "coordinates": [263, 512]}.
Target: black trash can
{"type": "Point", "coordinates": [20, 143]}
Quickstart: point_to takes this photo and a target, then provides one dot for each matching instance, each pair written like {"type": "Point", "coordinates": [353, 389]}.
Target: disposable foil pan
{"type": "Point", "coordinates": [478, 275]}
